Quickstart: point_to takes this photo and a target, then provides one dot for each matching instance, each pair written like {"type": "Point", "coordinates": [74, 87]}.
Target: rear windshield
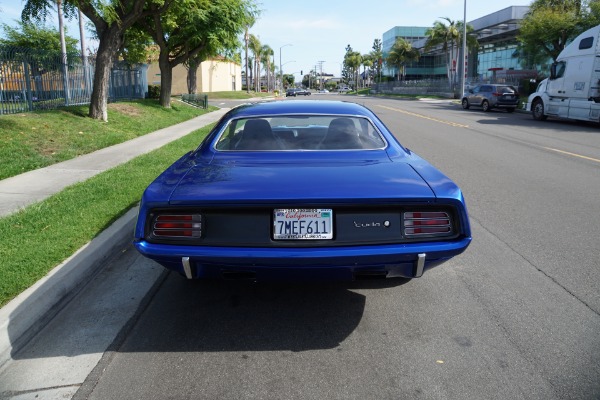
{"type": "Point", "coordinates": [506, 89]}
{"type": "Point", "coordinates": [288, 133]}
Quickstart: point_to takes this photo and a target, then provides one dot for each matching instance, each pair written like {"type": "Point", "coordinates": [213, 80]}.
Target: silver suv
{"type": "Point", "coordinates": [492, 96]}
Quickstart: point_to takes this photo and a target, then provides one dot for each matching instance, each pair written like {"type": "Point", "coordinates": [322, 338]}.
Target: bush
{"type": "Point", "coordinates": [153, 91]}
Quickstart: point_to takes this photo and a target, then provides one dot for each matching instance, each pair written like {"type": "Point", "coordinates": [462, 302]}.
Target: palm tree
{"type": "Point", "coordinates": [353, 60]}
{"type": "Point", "coordinates": [377, 55]}
{"type": "Point", "coordinates": [250, 77]}
{"type": "Point", "coordinates": [445, 36]}
{"type": "Point", "coordinates": [472, 42]}
{"type": "Point", "coordinates": [266, 54]}
{"type": "Point", "coordinates": [250, 23]}
{"type": "Point", "coordinates": [367, 62]}
{"type": "Point", "coordinates": [400, 54]}
{"type": "Point", "coordinates": [255, 47]}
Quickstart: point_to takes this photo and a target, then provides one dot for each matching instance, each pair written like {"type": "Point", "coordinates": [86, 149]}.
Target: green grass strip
{"type": "Point", "coordinates": [41, 236]}
{"type": "Point", "coordinates": [34, 140]}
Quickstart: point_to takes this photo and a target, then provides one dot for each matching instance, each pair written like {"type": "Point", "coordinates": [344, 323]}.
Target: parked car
{"type": "Point", "coordinates": [344, 89]}
{"type": "Point", "coordinates": [291, 92]}
{"type": "Point", "coordinates": [297, 92]}
{"type": "Point", "coordinates": [323, 91]}
{"type": "Point", "coordinates": [301, 190]}
{"type": "Point", "coordinates": [491, 96]}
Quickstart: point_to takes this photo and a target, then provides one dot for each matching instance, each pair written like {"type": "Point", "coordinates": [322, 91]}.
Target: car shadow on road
{"type": "Point", "coordinates": [214, 316]}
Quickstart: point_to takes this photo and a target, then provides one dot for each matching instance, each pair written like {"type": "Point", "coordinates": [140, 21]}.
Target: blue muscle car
{"type": "Point", "coordinates": [300, 190]}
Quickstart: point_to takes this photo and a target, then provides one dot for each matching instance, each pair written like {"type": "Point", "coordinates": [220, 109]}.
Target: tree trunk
{"type": "Point", "coordinates": [247, 81]}
{"type": "Point", "coordinates": [448, 66]}
{"type": "Point", "coordinates": [257, 83]}
{"type": "Point", "coordinates": [110, 42]}
{"type": "Point", "coordinates": [63, 52]}
{"type": "Point", "coordinates": [166, 79]}
{"type": "Point", "coordinates": [268, 71]}
{"type": "Point", "coordinates": [192, 81]}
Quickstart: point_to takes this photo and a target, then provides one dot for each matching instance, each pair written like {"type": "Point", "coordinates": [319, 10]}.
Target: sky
{"type": "Point", "coordinates": [305, 33]}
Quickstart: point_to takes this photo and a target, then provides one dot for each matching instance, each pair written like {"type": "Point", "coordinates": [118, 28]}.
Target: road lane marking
{"type": "Point", "coordinates": [467, 126]}
{"type": "Point", "coordinates": [456, 124]}
{"type": "Point", "coordinates": [572, 154]}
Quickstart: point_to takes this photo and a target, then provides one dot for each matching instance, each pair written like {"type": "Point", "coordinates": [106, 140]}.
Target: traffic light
{"type": "Point", "coordinates": [301, 72]}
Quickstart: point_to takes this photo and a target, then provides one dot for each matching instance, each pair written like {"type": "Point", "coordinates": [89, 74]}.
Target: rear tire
{"type": "Point", "coordinates": [485, 106]}
{"type": "Point", "coordinates": [510, 110]}
{"type": "Point", "coordinates": [537, 110]}
{"type": "Point", "coordinates": [465, 104]}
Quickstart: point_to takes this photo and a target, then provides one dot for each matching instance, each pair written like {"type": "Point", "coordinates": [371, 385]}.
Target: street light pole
{"type": "Point", "coordinates": [464, 52]}
{"type": "Point", "coordinates": [280, 66]}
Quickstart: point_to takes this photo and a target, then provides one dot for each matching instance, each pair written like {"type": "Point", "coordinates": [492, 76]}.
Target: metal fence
{"type": "Point", "coordinates": [36, 80]}
{"type": "Point", "coordinates": [438, 87]}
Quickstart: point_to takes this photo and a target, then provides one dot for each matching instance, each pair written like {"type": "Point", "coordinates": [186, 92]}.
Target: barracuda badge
{"type": "Point", "coordinates": [372, 224]}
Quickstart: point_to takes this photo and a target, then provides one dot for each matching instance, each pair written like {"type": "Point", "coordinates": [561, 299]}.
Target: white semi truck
{"type": "Point", "coordinates": [573, 89]}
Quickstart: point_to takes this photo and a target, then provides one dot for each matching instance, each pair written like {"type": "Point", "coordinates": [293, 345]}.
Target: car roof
{"type": "Point", "coordinates": [287, 107]}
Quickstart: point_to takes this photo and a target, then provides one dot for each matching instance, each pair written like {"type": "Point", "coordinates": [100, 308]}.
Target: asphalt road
{"type": "Point", "coordinates": [514, 317]}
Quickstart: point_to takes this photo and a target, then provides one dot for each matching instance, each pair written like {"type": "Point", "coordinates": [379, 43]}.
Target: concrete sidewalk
{"type": "Point", "coordinates": [22, 190]}
{"type": "Point", "coordinates": [27, 314]}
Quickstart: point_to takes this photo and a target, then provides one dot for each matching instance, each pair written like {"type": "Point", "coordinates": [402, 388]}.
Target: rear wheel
{"type": "Point", "coordinates": [465, 104]}
{"type": "Point", "coordinates": [537, 110]}
{"type": "Point", "coordinates": [485, 105]}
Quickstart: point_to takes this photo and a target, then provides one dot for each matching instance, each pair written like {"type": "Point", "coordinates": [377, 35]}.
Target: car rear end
{"type": "Point", "coordinates": [504, 97]}
{"type": "Point", "coordinates": [323, 223]}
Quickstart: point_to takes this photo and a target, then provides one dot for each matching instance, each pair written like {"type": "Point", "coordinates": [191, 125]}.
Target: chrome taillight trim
{"type": "Point", "coordinates": [178, 226]}
{"type": "Point", "coordinates": [426, 223]}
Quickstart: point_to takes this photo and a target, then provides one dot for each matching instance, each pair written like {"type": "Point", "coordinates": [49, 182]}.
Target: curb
{"type": "Point", "coordinates": [24, 316]}
{"type": "Point", "coordinates": [28, 313]}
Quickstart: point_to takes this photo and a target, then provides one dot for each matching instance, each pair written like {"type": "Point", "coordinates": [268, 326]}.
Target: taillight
{"type": "Point", "coordinates": [435, 223]}
{"type": "Point", "coordinates": [496, 94]}
{"type": "Point", "coordinates": [177, 226]}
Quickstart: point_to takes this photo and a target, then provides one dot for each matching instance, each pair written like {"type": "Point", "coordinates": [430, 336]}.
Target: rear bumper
{"type": "Point", "coordinates": [506, 105]}
{"type": "Point", "coordinates": [340, 263]}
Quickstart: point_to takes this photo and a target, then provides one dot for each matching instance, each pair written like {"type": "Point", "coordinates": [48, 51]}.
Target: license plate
{"type": "Point", "coordinates": [302, 224]}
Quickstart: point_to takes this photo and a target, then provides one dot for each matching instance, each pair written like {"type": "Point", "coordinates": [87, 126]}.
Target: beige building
{"type": "Point", "coordinates": [217, 75]}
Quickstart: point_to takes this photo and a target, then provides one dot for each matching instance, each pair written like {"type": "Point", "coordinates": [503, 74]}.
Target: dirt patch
{"type": "Point", "coordinates": [126, 109]}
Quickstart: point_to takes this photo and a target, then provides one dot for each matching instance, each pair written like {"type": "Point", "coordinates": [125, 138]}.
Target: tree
{"type": "Point", "coordinates": [367, 63]}
{"type": "Point", "coordinates": [445, 36]}
{"type": "Point", "coordinates": [400, 54]}
{"type": "Point", "coordinates": [249, 23]}
{"type": "Point", "coordinates": [551, 24]}
{"type": "Point", "coordinates": [249, 67]}
{"type": "Point", "coordinates": [288, 80]}
{"type": "Point", "coordinates": [352, 63]}
{"type": "Point", "coordinates": [40, 48]}
{"type": "Point", "coordinates": [471, 42]}
{"type": "Point", "coordinates": [346, 72]}
{"type": "Point", "coordinates": [111, 18]}
{"type": "Point", "coordinates": [377, 55]}
{"type": "Point", "coordinates": [28, 35]}
{"type": "Point", "coordinates": [255, 48]}
{"type": "Point", "coordinates": [192, 65]}
{"type": "Point", "coordinates": [193, 29]}
{"type": "Point", "coordinates": [266, 54]}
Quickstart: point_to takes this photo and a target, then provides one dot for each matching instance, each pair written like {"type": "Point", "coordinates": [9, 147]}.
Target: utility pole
{"type": "Point", "coordinates": [321, 73]}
